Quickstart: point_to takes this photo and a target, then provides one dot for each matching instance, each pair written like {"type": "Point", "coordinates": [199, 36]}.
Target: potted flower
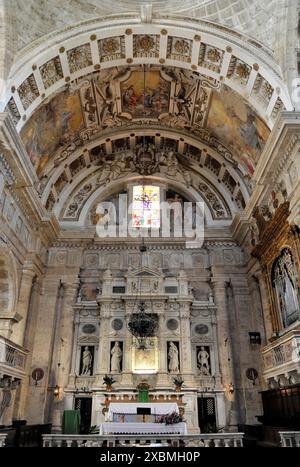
{"type": "Point", "coordinates": [109, 381]}
{"type": "Point", "coordinates": [178, 381]}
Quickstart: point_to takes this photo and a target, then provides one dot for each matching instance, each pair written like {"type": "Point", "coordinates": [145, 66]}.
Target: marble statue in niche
{"type": "Point", "coordinates": [173, 356]}
{"type": "Point", "coordinates": [86, 362]}
{"type": "Point", "coordinates": [203, 361]}
{"type": "Point", "coordinates": [116, 358]}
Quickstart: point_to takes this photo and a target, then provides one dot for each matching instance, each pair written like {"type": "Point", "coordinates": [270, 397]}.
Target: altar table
{"type": "Point", "coordinates": [142, 428]}
{"type": "Point", "coordinates": [157, 408]}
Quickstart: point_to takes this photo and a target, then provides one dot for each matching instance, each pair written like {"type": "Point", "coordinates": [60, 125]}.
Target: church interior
{"type": "Point", "coordinates": [150, 216]}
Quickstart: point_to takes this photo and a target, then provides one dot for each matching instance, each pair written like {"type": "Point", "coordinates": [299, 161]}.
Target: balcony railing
{"type": "Point", "coordinates": [2, 439]}
{"type": "Point", "coordinates": [283, 353]}
{"type": "Point", "coordinates": [12, 355]}
{"type": "Point", "coordinates": [290, 439]}
{"type": "Point", "coordinates": [124, 440]}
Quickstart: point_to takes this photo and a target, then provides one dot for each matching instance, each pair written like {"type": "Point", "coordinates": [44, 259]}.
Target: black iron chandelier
{"type": "Point", "coordinates": [142, 326]}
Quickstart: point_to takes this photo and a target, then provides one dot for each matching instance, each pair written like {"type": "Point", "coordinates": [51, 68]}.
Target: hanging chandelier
{"type": "Point", "coordinates": [143, 326]}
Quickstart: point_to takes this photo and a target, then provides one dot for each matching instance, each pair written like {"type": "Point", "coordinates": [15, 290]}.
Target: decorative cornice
{"type": "Point", "coordinates": [158, 244]}
{"type": "Point", "coordinates": [273, 231]}
{"type": "Point", "coordinates": [6, 171]}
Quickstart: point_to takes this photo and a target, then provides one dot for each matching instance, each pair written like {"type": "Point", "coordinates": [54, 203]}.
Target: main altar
{"type": "Point", "coordinates": [142, 428]}
{"type": "Point", "coordinates": [131, 409]}
{"type": "Point", "coordinates": [142, 418]}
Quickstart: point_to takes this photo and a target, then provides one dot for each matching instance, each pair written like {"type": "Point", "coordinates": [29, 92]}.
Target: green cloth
{"type": "Point", "coordinates": [143, 395]}
{"type": "Point", "coordinates": [71, 422]}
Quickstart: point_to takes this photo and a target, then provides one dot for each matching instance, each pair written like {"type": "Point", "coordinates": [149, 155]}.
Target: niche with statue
{"type": "Point", "coordinates": [116, 356]}
{"type": "Point", "coordinates": [86, 360]}
{"type": "Point", "coordinates": [173, 357]}
{"type": "Point", "coordinates": [203, 360]}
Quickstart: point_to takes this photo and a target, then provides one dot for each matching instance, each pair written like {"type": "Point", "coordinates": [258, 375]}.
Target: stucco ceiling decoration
{"type": "Point", "coordinates": [104, 101]}
{"type": "Point", "coordinates": [241, 63]}
{"type": "Point", "coordinates": [211, 96]}
{"type": "Point", "coordinates": [108, 164]}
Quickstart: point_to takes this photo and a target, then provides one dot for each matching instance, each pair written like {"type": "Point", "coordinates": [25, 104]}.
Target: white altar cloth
{"type": "Point", "coordinates": [158, 408]}
{"type": "Point", "coordinates": [142, 428]}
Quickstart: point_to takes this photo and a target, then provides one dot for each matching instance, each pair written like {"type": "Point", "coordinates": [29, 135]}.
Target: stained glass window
{"type": "Point", "coordinates": [146, 207]}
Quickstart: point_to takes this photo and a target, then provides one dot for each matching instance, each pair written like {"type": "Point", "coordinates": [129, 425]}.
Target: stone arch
{"type": "Point", "coordinates": [191, 194]}
{"type": "Point", "coordinates": [234, 49]}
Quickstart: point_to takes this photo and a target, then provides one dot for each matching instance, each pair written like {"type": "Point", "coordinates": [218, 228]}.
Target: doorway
{"type": "Point", "coordinates": [84, 404]}
{"type": "Point", "coordinates": [206, 414]}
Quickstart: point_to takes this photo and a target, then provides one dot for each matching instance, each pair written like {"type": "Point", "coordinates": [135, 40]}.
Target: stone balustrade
{"type": "Point", "coordinates": [132, 440]}
{"type": "Point", "coordinates": [2, 439]}
{"type": "Point", "coordinates": [282, 356]}
{"type": "Point", "coordinates": [12, 355]}
{"type": "Point", "coordinates": [290, 439]}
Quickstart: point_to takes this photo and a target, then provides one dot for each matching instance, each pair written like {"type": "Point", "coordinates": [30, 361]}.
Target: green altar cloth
{"type": "Point", "coordinates": [143, 395]}
{"type": "Point", "coordinates": [71, 422]}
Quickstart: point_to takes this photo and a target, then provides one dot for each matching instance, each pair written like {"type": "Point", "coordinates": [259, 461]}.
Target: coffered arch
{"type": "Point", "coordinates": [204, 164]}
{"type": "Point", "coordinates": [76, 200]}
{"type": "Point", "coordinates": [102, 193]}
{"type": "Point", "coordinates": [218, 52]}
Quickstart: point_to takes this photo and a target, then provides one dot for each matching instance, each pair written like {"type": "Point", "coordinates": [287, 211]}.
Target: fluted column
{"type": "Point", "coordinates": [163, 378]}
{"type": "Point", "coordinates": [62, 352]}
{"type": "Point", "coordinates": [127, 353]}
{"type": "Point", "coordinates": [28, 343]}
{"type": "Point", "coordinates": [224, 343]}
{"type": "Point", "coordinates": [186, 348]}
{"type": "Point", "coordinates": [28, 274]}
{"type": "Point", "coordinates": [223, 331]}
{"type": "Point", "coordinates": [64, 342]}
{"type": "Point", "coordinates": [75, 340]}
{"type": "Point", "coordinates": [103, 364]}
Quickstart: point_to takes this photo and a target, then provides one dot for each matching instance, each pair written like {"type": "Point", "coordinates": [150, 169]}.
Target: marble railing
{"type": "Point", "coordinates": [290, 439]}
{"type": "Point", "coordinates": [125, 440]}
{"type": "Point", "coordinates": [12, 355]}
{"type": "Point", "coordinates": [2, 439]}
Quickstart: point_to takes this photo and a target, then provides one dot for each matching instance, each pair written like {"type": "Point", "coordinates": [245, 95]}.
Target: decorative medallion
{"type": "Point", "coordinates": [201, 329]}
{"type": "Point", "coordinates": [172, 324]}
{"type": "Point", "coordinates": [117, 324]}
{"type": "Point", "coordinates": [88, 329]}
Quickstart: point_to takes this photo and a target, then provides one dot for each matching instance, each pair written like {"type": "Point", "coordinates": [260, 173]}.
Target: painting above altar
{"type": "Point", "coordinates": [145, 361]}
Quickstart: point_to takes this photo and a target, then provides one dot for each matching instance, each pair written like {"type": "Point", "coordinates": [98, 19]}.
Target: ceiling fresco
{"type": "Point", "coordinates": [234, 123]}
{"type": "Point", "coordinates": [53, 125]}
{"type": "Point", "coordinates": [125, 97]}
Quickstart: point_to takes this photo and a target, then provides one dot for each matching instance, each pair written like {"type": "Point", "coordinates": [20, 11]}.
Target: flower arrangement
{"type": "Point", "coordinates": [178, 381]}
{"type": "Point", "coordinates": [108, 380]}
{"type": "Point", "coordinates": [171, 418]}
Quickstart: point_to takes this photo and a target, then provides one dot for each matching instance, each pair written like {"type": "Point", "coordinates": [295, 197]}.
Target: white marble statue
{"type": "Point", "coordinates": [116, 357]}
{"type": "Point", "coordinates": [86, 362]}
{"type": "Point", "coordinates": [173, 358]}
{"type": "Point", "coordinates": [203, 365]}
